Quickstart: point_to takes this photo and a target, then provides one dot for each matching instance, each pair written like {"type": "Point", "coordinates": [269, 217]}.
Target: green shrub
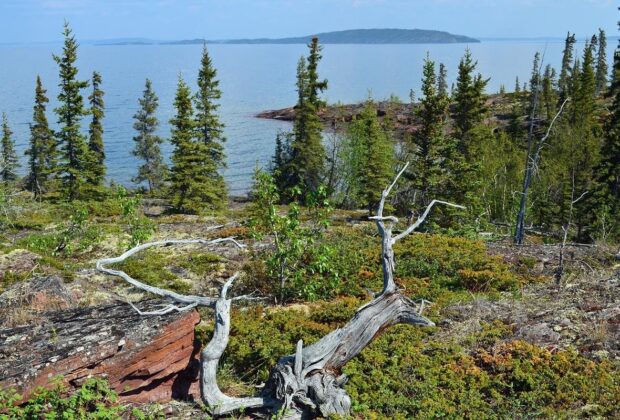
{"type": "Point", "coordinates": [94, 400]}
{"type": "Point", "coordinates": [299, 263]}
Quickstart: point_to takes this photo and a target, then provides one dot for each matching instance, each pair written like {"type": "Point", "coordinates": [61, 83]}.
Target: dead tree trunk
{"type": "Point", "coordinates": [308, 383]}
{"type": "Point", "coordinates": [531, 165]}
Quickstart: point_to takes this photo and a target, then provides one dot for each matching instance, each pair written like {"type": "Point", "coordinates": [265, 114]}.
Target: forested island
{"type": "Point", "coordinates": [351, 36]}
{"type": "Point", "coordinates": [454, 256]}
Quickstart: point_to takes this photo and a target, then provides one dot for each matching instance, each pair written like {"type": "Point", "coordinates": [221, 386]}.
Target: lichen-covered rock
{"type": "Point", "coordinates": [18, 261]}
{"type": "Point", "coordinates": [144, 358]}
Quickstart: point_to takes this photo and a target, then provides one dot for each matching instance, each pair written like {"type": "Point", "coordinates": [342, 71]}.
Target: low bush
{"type": "Point", "coordinates": [94, 400]}
{"type": "Point", "coordinates": [405, 373]}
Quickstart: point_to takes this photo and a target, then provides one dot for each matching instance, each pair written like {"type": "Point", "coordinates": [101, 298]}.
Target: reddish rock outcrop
{"type": "Point", "coordinates": [144, 358]}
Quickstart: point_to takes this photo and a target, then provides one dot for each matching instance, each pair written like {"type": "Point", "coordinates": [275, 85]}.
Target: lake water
{"type": "Point", "coordinates": [253, 78]}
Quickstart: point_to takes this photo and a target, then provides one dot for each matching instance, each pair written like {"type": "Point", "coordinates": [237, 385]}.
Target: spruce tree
{"type": "Point", "coordinates": [442, 81]}
{"type": "Point", "coordinates": [307, 152]}
{"type": "Point", "coordinates": [601, 63]}
{"type": "Point", "coordinates": [96, 167]}
{"type": "Point", "coordinates": [8, 156]}
{"type": "Point", "coordinates": [73, 150]}
{"type": "Point", "coordinates": [608, 170]}
{"type": "Point", "coordinates": [373, 158]}
{"type": "Point", "coordinates": [42, 149]}
{"type": "Point", "coordinates": [535, 86]}
{"type": "Point", "coordinates": [431, 144]}
{"type": "Point", "coordinates": [548, 93]}
{"type": "Point", "coordinates": [581, 144]}
{"type": "Point", "coordinates": [191, 186]}
{"type": "Point", "coordinates": [565, 71]}
{"type": "Point", "coordinates": [209, 129]}
{"type": "Point", "coordinates": [147, 147]}
{"type": "Point", "coordinates": [469, 97]}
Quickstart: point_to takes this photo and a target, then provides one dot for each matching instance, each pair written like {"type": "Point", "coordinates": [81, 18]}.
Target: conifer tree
{"type": "Point", "coordinates": [584, 89]}
{"type": "Point", "coordinates": [535, 86]}
{"type": "Point", "coordinates": [307, 152]}
{"type": "Point", "coordinates": [517, 87]}
{"type": "Point", "coordinates": [442, 81]}
{"type": "Point", "coordinates": [42, 148]}
{"type": "Point", "coordinates": [371, 153]}
{"type": "Point", "coordinates": [601, 63]}
{"type": "Point", "coordinates": [192, 188]}
{"type": "Point", "coordinates": [469, 97]}
{"type": "Point", "coordinates": [147, 142]}
{"type": "Point", "coordinates": [548, 92]}
{"type": "Point", "coordinates": [8, 156]}
{"type": "Point", "coordinates": [96, 167]}
{"type": "Point", "coordinates": [431, 143]}
{"type": "Point", "coordinates": [73, 150]}
{"type": "Point", "coordinates": [209, 129]}
{"type": "Point", "coordinates": [581, 144]}
{"type": "Point", "coordinates": [565, 71]}
{"type": "Point", "coordinates": [608, 170]}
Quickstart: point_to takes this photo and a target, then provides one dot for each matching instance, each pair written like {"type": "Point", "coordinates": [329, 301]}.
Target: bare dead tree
{"type": "Point", "coordinates": [531, 166]}
{"type": "Point", "coordinates": [308, 383]}
{"type": "Point", "coordinates": [559, 272]}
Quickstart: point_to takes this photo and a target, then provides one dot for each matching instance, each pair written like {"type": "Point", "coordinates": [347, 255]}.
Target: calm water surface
{"type": "Point", "coordinates": [253, 78]}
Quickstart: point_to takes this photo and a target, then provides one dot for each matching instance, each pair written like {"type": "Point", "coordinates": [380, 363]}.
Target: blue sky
{"type": "Point", "coordinates": [41, 20]}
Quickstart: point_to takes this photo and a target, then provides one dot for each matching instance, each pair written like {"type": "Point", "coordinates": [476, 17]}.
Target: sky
{"type": "Point", "coordinates": [41, 20]}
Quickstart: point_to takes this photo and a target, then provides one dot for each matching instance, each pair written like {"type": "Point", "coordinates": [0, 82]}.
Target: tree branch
{"type": "Point", "coordinates": [423, 217]}
{"type": "Point", "coordinates": [387, 191]}
{"type": "Point", "coordinates": [186, 299]}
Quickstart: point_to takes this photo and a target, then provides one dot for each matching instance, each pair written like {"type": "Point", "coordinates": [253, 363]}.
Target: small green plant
{"type": "Point", "coordinates": [299, 261]}
{"type": "Point", "coordinates": [77, 235]}
{"type": "Point", "coordinates": [93, 400]}
{"type": "Point", "coordinates": [140, 227]}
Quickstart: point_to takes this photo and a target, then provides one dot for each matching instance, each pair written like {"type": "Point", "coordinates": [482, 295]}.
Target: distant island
{"type": "Point", "coordinates": [352, 36]}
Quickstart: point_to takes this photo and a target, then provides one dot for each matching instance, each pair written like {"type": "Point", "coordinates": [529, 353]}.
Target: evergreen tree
{"type": "Point", "coordinates": [307, 152]}
{"type": "Point", "coordinates": [535, 86]}
{"type": "Point", "coordinates": [517, 87]}
{"type": "Point", "coordinates": [548, 94]}
{"type": "Point", "coordinates": [581, 143]}
{"type": "Point", "coordinates": [469, 97]}
{"type": "Point", "coordinates": [430, 141]}
{"type": "Point", "coordinates": [371, 155]}
{"type": "Point", "coordinates": [192, 187]}
{"type": "Point", "coordinates": [147, 147]}
{"type": "Point", "coordinates": [442, 81]}
{"type": "Point", "coordinates": [73, 156]}
{"type": "Point", "coordinates": [96, 167]}
{"type": "Point", "coordinates": [584, 90]}
{"type": "Point", "coordinates": [601, 63]}
{"type": "Point", "coordinates": [608, 170]}
{"type": "Point", "coordinates": [209, 129]}
{"type": "Point", "coordinates": [42, 148]}
{"type": "Point", "coordinates": [8, 156]}
{"type": "Point", "coordinates": [565, 71]}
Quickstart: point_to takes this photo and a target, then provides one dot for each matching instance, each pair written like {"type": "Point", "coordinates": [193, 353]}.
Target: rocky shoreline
{"type": "Point", "coordinates": [403, 115]}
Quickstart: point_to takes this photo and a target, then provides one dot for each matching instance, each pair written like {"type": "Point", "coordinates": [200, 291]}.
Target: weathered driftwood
{"type": "Point", "coordinates": [307, 383]}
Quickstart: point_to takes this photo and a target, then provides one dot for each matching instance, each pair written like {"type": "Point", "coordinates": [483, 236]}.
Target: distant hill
{"type": "Point", "coordinates": [355, 36]}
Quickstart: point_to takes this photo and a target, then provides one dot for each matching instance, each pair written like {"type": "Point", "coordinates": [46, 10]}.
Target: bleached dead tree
{"type": "Point", "coordinates": [308, 383]}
